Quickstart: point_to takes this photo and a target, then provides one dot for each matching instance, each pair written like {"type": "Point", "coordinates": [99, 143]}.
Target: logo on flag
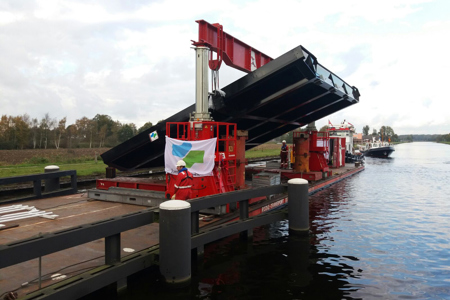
{"type": "Point", "coordinates": [198, 156]}
{"type": "Point", "coordinates": [153, 136]}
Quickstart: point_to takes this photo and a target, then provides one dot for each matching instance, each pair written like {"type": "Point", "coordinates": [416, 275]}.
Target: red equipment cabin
{"type": "Point", "coordinates": [318, 148]}
{"type": "Point", "coordinates": [337, 152]}
{"type": "Point", "coordinates": [229, 159]}
{"type": "Point", "coordinates": [309, 151]}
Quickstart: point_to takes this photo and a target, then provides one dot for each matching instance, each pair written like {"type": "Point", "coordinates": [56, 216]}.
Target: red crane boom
{"type": "Point", "coordinates": [232, 51]}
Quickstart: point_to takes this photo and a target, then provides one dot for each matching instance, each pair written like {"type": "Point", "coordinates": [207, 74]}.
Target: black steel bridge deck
{"type": "Point", "coordinates": [288, 92]}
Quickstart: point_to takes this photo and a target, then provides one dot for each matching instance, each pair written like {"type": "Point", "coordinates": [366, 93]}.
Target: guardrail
{"type": "Point", "coordinates": [51, 178]}
{"type": "Point", "coordinates": [117, 267]}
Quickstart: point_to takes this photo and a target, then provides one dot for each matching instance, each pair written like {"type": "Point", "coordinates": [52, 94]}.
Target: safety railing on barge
{"type": "Point", "coordinates": [51, 179]}
{"type": "Point", "coordinates": [117, 267]}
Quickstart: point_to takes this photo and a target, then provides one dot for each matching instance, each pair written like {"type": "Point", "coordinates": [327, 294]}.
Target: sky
{"type": "Point", "coordinates": [133, 60]}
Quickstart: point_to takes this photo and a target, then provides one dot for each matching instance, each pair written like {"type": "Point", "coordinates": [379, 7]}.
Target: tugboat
{"type": "Point", "coordinates": [378, 149]}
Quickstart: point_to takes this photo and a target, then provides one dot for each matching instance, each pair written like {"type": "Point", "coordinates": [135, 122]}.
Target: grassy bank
{"type": "Point", "coordinates": [87, 166]}
{"type": "Point", "coordinates": [264, 151]}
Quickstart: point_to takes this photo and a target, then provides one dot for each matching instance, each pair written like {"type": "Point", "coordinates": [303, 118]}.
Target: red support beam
{"type": "Point", "coordinates": [232, 51]}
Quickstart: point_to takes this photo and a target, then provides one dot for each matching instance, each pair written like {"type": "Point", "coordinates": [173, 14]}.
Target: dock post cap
{"type": "Point", "coordinates": [52, 167]}
{"type": "Point", "coordinates": [174, 205]}
{"type": "Point", "coordinates": [297, 181]}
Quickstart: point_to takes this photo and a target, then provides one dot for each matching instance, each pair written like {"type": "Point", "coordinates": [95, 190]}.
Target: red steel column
{"type": "Point", "coordinates": [301, 163]}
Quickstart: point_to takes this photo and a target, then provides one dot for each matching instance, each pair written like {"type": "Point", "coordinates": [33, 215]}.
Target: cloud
{"type": "Point", "coordinates": [133, 60]}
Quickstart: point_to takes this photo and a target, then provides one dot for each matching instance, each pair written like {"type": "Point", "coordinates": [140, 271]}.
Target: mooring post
{"type": "Point", "coordinates": [51, 184]}
{"type": "Point", "coordinates": [110, 172]}
{"type": "Point", "coordinates": [298, 208]}
{"type": "Point", "coordinates": [175, 242]}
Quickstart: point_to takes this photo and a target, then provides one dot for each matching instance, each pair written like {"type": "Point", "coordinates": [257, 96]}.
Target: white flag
{"type": "Point", "coordinates": [198, 156]}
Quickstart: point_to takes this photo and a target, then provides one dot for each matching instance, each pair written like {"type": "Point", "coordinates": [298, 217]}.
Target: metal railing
{"type": "Point", "coordinates": [37, 184]}
{"type": "Point", "coordinates": [117, 267]}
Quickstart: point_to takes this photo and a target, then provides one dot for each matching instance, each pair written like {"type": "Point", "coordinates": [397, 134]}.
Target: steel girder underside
{"type": "Point", "coordinates": [288, 92]}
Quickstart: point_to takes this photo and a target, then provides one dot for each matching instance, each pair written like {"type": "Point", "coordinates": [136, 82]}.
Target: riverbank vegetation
{"type": "Point", "coordinates": [265, 150]}
{"type": "Point", "coordinates": [26, 162]}
{"type": "Point", "coordinates": [25, 132]}
{"type": "Point", "coordinates": [87, 168]}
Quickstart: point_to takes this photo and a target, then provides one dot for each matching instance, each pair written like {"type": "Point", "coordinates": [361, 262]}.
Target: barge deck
{"type": "Point", "coordinates": [78, 209]}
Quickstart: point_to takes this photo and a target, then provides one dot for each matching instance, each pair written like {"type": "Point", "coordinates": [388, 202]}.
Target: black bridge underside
{"type": "Point", "coordinates": [285, 94]}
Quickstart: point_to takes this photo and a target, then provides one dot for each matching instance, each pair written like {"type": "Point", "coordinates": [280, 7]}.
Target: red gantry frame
{"type": "Point", "coordinates": [223, 177]}
{"type": "Point", "coordinates": [232, 51]}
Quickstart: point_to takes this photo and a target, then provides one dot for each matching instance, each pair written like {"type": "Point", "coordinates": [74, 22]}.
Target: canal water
{"type": "Point", "coordinates": [381, 234]}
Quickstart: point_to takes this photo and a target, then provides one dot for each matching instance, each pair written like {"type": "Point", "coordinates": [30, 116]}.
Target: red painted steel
{"type": "Point", "coordinates": [232, 51]}
{"type": "Point", "coordinates": [223, 177]}
{"type": "Point", "coordinates": [104, 184]}
{"type": "Point", "coordinates": [131, 183]}
{"type": "Point", "coordinates": [318, 147]}
{"type": "Point", "coordinates": [301, 152]}
{"type": "Point", "coordinates": [337, 154]}
{"type": "Point", "coordinates": [161, 187]}
{"type": "Point", "coordinates": [342, 149]}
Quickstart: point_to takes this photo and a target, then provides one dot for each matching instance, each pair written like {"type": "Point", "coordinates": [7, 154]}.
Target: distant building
{"type": "Point", "coordinates": [357, 138]}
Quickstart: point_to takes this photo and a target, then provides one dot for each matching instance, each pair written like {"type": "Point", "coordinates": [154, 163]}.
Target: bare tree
{"type": "Point", "coordinates": [102, 135]}
{"type": "Point", "coordinates": [34, 124]}
{"type": "Point", "coordinates": [59, 131]}
{"type": "Point", "coordinates": [71, 134]}
{"type": "Point", "coordinates": [46, 126]}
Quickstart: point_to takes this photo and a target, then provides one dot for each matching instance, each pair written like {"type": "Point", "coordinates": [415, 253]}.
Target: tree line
{"type": "Point", "coordinates": [407, 137]}
{"type": "Point", "coordinates": [24, 132]}
{"type": "Point", "coordinates": [386, 133]}
{"type": "Point", "coordinates": [439, 138]}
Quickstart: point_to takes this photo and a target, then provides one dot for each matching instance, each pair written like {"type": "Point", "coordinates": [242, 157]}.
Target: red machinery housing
{"type": "Point", "coordinates": [318, 148]}
{"type": "Point", "coordinates": [229, 162]}
{"type": "Point", "coordinates": [337, 152]}
{"type": "Point", "coordinates": [309, 151]}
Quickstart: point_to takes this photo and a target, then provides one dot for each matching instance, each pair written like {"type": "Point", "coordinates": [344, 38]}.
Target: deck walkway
{"type": "Point", "coordinates": [72, 210]}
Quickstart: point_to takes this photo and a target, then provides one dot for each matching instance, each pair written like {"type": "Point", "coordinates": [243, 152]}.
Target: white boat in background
{"type": "Point", "coordinates": [378, 149]}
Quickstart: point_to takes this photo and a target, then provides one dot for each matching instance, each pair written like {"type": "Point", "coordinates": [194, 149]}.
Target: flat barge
{"type": "Point", "coordinates": [78, 209]}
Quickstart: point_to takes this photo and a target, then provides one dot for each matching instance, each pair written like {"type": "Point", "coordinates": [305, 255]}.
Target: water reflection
{"type": "Point", "coordinates": [285, 267]}
{"type": "Point", "coordinates": [383, 234]}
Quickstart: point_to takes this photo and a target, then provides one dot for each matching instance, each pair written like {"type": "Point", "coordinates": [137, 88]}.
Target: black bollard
{"type": "Point", "coordinates": [110, 172]}
{"type": "Point", "coordinates": [51, 184]}
{"type": "Point", "coordinates": [298, 207]}
{"type": "Point", "coordinates": [175, 242]}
